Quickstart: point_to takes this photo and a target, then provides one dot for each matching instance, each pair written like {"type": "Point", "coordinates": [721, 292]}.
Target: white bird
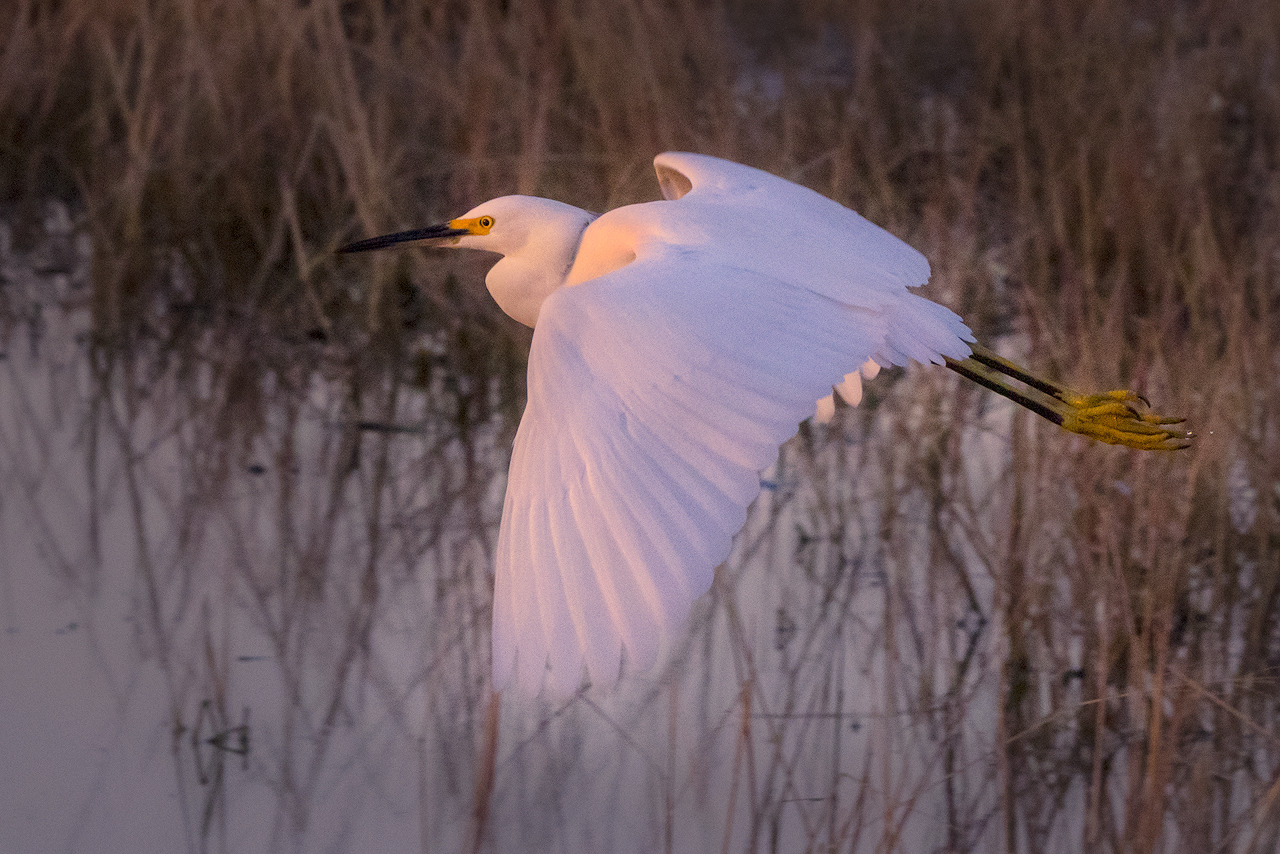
{"type": "Point", "coordinates": [676, 345]}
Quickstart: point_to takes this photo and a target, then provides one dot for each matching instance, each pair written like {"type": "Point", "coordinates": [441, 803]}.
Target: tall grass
{"type": "Point", "coordinates": [1096, 184]}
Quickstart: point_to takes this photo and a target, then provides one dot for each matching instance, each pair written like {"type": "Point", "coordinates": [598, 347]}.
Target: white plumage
{"type": "Point", "coordinates": [676, 345]}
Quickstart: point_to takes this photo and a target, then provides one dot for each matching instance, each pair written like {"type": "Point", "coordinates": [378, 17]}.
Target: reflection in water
{"type": "Point", "coordinates": [246, 591]}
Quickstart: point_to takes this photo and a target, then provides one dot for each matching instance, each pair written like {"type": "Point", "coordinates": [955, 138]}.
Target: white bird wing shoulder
{"type": "Point", "coordinates": [657, 393]}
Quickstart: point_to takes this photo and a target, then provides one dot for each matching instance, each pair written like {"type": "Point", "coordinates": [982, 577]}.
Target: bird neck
{"type": "Point", "coordinates": [522, 279]}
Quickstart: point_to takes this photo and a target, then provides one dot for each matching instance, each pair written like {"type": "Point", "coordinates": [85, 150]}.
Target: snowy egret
{"type": "Point", "coordinates": [676, 345]}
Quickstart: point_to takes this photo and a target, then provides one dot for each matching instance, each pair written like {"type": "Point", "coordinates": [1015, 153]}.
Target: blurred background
{"type": "Point", "coordinates": [249, 490]}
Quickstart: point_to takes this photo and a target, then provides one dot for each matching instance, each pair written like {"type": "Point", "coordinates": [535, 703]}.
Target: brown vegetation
{"type": "Point", "coordinates": [1096, 183]}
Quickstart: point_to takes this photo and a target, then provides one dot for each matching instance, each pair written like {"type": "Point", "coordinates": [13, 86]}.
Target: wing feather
{"type": "Point", "coordinates": [549, 611]}
{"type": "Point", "coordinates": [649, 440]}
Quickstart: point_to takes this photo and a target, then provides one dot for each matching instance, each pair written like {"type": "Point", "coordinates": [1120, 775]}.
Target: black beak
{"type": "Point", "coordinates": [434, 232]}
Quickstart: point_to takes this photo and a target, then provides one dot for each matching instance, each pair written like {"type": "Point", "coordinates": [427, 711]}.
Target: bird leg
{"type": "Point", "coordinates": [1118, 417]}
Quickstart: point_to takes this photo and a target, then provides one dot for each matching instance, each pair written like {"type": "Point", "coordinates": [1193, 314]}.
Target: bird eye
{"type": "Point", "coordinates": [486, 222]}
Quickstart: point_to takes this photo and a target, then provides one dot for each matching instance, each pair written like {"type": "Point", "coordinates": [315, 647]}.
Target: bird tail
{"type": "Point", "coordinates": [923, 331]}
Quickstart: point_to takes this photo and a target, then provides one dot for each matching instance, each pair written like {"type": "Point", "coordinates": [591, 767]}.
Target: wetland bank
{"type": "Point", "coordinates": [250, 492]}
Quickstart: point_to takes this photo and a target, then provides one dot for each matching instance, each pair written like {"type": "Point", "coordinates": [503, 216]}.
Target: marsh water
{"type": "Point", "coordinates": [245, 594]}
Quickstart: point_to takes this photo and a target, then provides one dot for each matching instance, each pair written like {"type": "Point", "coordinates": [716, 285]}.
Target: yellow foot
{"type": "Point", "coordinates": [1121, 417]}
{"type": "Point", "coordinates": [1116, 417]}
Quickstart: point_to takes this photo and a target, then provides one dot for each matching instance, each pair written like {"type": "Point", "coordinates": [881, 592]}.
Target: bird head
{"type": "Point", "coordinates": [503, 225]}
{"type": "Point", "coordinates": [537, 237]}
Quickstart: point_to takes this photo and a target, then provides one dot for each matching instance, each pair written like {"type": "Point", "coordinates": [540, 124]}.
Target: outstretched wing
{"type": "Point", "coordinates": [658, 391]}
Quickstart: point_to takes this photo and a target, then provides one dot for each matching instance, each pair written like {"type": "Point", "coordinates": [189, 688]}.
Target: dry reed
{"type": "Point", "coordinates": [1096, 183]}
